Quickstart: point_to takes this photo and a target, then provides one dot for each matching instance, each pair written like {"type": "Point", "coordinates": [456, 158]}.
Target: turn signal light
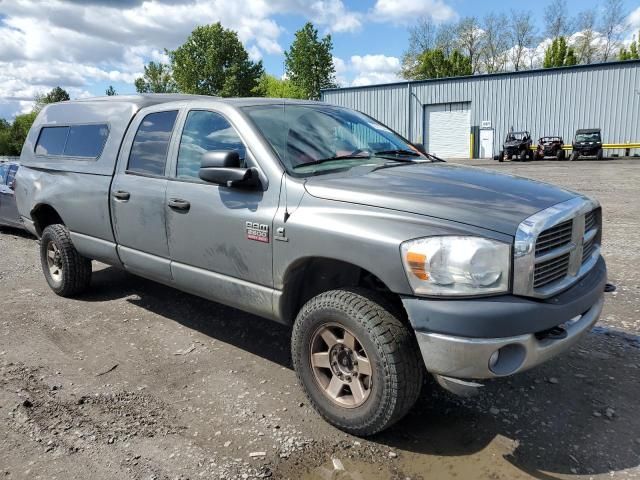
{"type": "Point", "coordinates": [417, 263]}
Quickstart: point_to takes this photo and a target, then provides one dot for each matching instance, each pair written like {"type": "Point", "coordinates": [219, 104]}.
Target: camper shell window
{"type": "Point", "coordinates": [84, 141]}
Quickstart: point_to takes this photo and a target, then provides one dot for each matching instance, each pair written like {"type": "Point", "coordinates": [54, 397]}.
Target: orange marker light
{"type": "Point", "coordinates": [416, 262]}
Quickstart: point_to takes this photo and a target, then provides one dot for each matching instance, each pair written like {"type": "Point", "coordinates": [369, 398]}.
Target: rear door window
{"type": "Point", "coordinates": [11, 174]}
{"type": "Point", "coordinates": [3, 173]}
{"type": "Point", "coordinates": [151, 143]}
{"type": "Point", "coordinates": [86, 140]}
{"type": "Point", "coordinates": [51, 140]}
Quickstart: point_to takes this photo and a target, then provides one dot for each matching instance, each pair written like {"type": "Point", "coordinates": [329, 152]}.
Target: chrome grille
{"type": "Point", "coordinates": [587, 249]}
{"type": "Point", "coordinates": [555, 247]}
{"type": "Point", "coordinates": [551, 270]}
{"type": "Point", "coordinates": [590, 220]}
{"type": "Point", "coordinates": [554, 237]}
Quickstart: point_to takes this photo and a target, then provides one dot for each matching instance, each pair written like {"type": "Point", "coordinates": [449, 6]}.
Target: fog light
{"type": "Point", "coordinates": [493, 359]}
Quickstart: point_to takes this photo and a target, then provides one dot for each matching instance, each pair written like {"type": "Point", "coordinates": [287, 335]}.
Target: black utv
{"type": "Point", "coordinates": [518, 145]}
{"type": "Point", "coordinates": [587, 143]}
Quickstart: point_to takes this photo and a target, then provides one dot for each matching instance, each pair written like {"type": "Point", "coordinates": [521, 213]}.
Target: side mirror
{"type": "Point", "coordinates": [222, 167]}
{"type": "Point", "coordinates": [420, 147]}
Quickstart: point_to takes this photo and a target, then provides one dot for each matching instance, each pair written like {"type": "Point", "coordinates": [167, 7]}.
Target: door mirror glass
{"type": "Point", "coordinates": [222, 167]}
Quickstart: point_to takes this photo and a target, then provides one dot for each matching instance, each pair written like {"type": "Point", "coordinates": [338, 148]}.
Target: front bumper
{"type": "Point", "coordinates": [524, 332]}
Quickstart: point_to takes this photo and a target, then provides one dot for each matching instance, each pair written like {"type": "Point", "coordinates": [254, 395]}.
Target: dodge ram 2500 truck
{"type": "Point", "coordinates": [388, 263]}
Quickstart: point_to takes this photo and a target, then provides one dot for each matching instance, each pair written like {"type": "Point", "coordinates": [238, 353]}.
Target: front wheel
{"type": "Point", "coordinates": [501, 157]}
{"type": "Point", "coordinates": [357, 362]}
{"type": "Point", "coordinates": [574, 156]}
{"type": "Point", "coordinates": [67, 272]}
{"type": "Point", "coordinates": [523, 156]}
{"type": "Point", "coordinates": [560, 154]}
{"type": "Point", "coordinates": [599, 155]}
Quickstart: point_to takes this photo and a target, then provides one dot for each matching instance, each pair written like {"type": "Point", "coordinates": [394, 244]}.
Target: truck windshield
{"type": "Point", "coordinates": [311, 139]}
{"type": "Point", "coordinates": [588, 137]}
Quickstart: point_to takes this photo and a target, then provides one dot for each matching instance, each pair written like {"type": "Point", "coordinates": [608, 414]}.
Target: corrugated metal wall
{"type": "Point", "coordinates": [545, 102]}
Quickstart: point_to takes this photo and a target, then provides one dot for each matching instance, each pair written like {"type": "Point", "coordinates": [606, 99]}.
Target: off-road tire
{"type": "Point", "coordinates": [523, 157]}
{"type": "Point", "coordinates": [574, 156]}
{"type": "Point", "coordinates": [599, 154]}
{"type": "Point", "coordinates": [391, 346]}
{"type": "Point", "coordinates": [75, 269]}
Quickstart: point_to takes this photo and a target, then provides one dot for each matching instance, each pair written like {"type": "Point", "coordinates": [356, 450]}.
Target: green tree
{"type": "Point", "coordinates": [434, 63]}
{"type": "Point", "coordinates": [157, 78]}
{"type": "Point", "coordinates": [633, 52]}
{"type": "Point", "coordinates": [213, 61]}
{"type": "Point", "coordinates": [5, 138]}
{"type": "Point", "coordinates": [57, 94]}
{"type": "Point", "coordinates": [558, 54]}
{"type": "Point", "coordinates": [19, 130]}
{"type": "Point", "coordinates": [309, 62]}
{"type": "Point", "coordinates": [110, 92]}
{"type": "Point", "coordinates": [273, 87]}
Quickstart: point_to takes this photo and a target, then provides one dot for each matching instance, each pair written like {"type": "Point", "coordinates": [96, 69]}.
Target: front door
{"type": "Point", "coordinates": [486, 143]}
{"type": "Point", "coordinates": [138, 197]}
{"type": "Point", "coordinates": [220, 238]}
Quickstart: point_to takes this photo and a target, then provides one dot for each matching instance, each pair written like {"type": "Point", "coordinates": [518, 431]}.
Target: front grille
{"type": "Point", "coordinates": [554, 237]}
{"type": "Point", "coordinates": [587, 249]}
{"type": "Point", "coordinates": [551, 270]}
{"type": "Point", "coordinates": [590, 221]}
{"type": "Point", "coordinates": [556, 247]}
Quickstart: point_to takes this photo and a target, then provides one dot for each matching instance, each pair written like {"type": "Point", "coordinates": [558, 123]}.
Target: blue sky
{"type": "Point", "coordinates": [86, 46]}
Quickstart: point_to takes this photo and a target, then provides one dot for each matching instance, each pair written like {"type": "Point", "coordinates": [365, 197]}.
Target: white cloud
{"type": "Point", "coordinates": [367, 70]}
{"type": "Point", "coordinates": [330, 14]}
{"type": "Point", "coordinates": [633, 21]}
{"type": "Point", "coordinates": [406, 11]}
{"type": "Point", "coordinates": [73, 45]}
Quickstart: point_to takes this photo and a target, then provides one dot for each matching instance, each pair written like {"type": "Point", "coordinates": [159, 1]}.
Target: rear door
{"type": "Point", "coordinates": [138, 194]}
{"type": "Point", "coordinates": [4, 170]}
{"type": "Point", "coordinates": [8, 207]}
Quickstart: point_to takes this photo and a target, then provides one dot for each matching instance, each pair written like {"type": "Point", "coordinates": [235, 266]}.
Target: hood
{"type": "Point", "coordinates": [470, 195]}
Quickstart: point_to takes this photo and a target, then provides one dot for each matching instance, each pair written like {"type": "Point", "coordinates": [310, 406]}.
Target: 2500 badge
{"type": "Point", "coordinates": [257, 231]}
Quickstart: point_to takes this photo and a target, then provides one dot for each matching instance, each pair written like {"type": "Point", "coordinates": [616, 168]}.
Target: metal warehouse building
{"type": "Point", "coordinates": [470, 116]}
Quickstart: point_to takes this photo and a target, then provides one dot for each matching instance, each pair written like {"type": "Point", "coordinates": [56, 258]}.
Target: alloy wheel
{"type": "Point", "coordinates": [341, 366]}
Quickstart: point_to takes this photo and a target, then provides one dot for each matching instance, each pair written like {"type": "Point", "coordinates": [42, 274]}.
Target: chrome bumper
{"type": "Point", "coordinates": [470, 358]}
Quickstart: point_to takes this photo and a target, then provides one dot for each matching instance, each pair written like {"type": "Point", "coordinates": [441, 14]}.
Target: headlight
{"type": "Point", "coordinates": [457, 265]}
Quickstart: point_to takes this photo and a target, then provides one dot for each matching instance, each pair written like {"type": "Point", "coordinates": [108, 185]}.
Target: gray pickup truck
{"type": "Point", "coordinates": [387, 262]}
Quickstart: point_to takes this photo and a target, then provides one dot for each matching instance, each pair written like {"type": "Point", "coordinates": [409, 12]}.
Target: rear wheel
{"type": "Point", "coordinates": [358, 364]}
{"type": "Point", "coordinates": [67, 272]}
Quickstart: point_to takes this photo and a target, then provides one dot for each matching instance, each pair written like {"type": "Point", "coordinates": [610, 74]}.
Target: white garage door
{"type": "Point", "coordinates": [447, 129]}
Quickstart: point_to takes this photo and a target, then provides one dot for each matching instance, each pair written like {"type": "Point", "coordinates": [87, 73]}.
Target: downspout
{"type": "Point", "coordinates": [409, 132]}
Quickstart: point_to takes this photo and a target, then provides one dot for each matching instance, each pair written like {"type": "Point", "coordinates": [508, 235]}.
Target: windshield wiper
{"type": "Point", "coordinates": [398, 151]}
{"type": "Point", "coordinates": [331, 159]}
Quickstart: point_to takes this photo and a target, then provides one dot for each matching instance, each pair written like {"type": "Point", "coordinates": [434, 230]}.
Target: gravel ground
{"type": "Point", "coordinates": [136, 380]}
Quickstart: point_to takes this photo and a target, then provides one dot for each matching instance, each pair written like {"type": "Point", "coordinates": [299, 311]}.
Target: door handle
{"type": "Point", "coordinates": [179, 204]}
{"type": "Point", "coordinates": [121, 195]}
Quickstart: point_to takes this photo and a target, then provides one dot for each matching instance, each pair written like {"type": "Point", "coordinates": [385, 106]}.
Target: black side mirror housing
{"type": "Point", "coordinates": [223, 167]}
{"type": "Point", "coordinates": [420, 147]}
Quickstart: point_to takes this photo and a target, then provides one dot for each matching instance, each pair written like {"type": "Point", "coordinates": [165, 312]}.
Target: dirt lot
{"type": "Point", "coordinates": [136, 380]}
